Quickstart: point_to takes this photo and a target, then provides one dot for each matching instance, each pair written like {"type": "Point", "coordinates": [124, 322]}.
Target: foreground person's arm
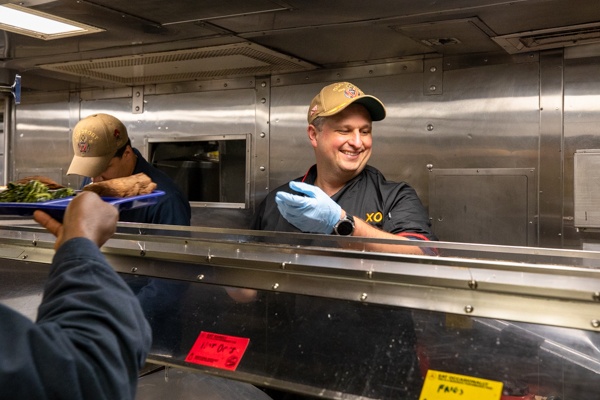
{"type": "Point", "coordinates": [90, 338]}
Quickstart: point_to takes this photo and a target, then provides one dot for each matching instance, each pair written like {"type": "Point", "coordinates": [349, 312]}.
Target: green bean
{"type": "Point", "coordinates": [33, 191]}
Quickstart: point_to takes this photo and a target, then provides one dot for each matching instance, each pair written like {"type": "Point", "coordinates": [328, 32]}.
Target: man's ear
{"type": "Point", "coordinates": [128, 151]}
{"type": "Point", "coordinates": [312, 135]}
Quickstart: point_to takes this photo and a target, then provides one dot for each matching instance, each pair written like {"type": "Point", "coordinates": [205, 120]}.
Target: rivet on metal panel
{"type": "Point", "coordinates": [200, 277]}
{"type": "Point", "coordinates": [369, 274]}
{"type": "Point", "coordinates": [134, 269]}
{"type": "Point", "coordinates": [275, 286]}
{"type": "Point", "coordinates": [263, 84]}
{"type": "Point", "coordinates": [262, 134]}
{"type": "Point", "coordinates": [142, 253]}
{"type": "Point", "coordinates": [363, 297]}
{"type": "Point", "coordinates": [283, 264]}
{"type": "Point", "coordinates": [429, 167]}
{"type": "Point", "coordinates": [469, 309]}
{"type": "Point", "coordinates": [263, 100]}
{"type": "Point", "coordinates": [262, 168]}
{"type": "Point", "coordinates": [208, 258]}
{"type": "Point", "coordinates": [596, 296]}
{"type": "Point", "coordinates": [473, 284]}
{"type": "Point", "coordinates": [596, 323]}
{"type": "Point", "coordinates": [433, 82]}
{"type": "Point", "coordinates": [137, 101]}
{"type": "Point", "coordinates": [429, 127]}
{"type": "Point", "coordinates": [24, 256]}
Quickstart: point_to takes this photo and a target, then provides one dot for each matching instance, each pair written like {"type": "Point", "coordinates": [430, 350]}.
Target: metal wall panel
{"type": "Point", "coordinates": [586, 171]}
{"type": "Point", "coordinates": [551, 150]}
{"type": "Point", "coordinates": [489, 205]}
{"type": "Point", "coordinates": [486, 115]}
{"type": "Point", "coordinates": [42, 143]}
{"type": "Point", "coordinates": [581, 132]}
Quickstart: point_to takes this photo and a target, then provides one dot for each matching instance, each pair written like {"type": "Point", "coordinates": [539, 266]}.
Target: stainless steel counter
{"type": "Point", "coordinates": [348, 324]}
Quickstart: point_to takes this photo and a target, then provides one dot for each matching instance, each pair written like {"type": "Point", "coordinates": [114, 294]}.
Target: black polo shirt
{"type": "Point", "coordinates": [392, 207]}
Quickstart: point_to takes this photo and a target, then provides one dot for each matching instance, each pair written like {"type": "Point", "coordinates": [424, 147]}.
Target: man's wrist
{"type": "Point", "coordinates": [345, 226]}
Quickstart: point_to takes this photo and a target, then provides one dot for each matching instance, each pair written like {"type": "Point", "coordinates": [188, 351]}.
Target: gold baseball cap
{"type": "Point", "coordinates": [335, 97]}
{"type": "Point", "coordinates": [96, 139]}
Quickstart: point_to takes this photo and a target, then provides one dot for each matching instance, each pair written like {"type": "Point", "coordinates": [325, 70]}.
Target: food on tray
{"type": "Point", "coordinates": [33, 191]}
{"type": "Point", "coordinates": [52, 185]}
{"type": "Point", "coordinates": [132, 185]}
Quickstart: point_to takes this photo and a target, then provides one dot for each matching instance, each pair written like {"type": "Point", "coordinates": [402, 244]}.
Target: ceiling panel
{"type": "Point", "coordinates": [319, 33]}
{"type": "Point", "coordinates": [182, 11]}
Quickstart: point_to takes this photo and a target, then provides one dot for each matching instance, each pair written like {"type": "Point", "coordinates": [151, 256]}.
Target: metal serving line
{"type": "Point", "coordinates": [307, 316]}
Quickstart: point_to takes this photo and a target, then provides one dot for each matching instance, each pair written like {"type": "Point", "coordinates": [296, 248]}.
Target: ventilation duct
{"type": "Point", "coordinates": [245, 59]}
{"type": "Point", "coordinates": [458, 36]}
{"type": "Point", "coordinates": [550, 38]}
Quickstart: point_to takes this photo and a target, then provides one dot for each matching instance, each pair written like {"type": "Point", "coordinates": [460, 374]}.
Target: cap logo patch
{"type": "Point", "coordinates": [313, 110]}
{"type": "Point", "coordinates": [117, 134]}
{"type": "Point", "coordinates": [83, 144]}
{"type": "Point", "coordinates": [351, 92]}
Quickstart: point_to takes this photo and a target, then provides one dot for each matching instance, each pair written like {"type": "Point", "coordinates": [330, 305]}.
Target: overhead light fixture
{"type": "Point", "coordinates": [24, 21]}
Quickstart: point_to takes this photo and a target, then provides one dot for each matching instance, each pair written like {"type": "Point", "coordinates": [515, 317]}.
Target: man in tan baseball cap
{"type": "Point", "coordinates": [341, 194]}
{"type": "Point", "coordinates": [103, 152]}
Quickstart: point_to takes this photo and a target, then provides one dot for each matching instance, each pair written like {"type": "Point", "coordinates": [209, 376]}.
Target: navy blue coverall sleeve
{"type": "Point", "coordinates": [90, 338]}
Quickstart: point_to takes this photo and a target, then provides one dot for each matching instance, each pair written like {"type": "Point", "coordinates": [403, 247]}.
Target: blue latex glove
{"type": "Point", "coordinates": [315, 212]}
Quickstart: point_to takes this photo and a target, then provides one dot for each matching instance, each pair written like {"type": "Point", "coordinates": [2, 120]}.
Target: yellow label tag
{"type": "Point", "coordinates": [445, 386]}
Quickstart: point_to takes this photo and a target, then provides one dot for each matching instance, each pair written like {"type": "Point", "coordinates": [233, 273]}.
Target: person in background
{"type": "Point", "coordinates": [341, 194]}
{"type": "Point", "coordinates": [103, 151]}
{"type": "Point", "coordinates": [90, 337]}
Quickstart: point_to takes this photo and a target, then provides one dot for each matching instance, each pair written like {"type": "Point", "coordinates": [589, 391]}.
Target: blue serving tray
{"type": "Point", "coordinates": [56, 208]}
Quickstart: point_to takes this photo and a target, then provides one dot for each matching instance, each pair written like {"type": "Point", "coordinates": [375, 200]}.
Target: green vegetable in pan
{"type": "Point", "coordinates": [33, 191]}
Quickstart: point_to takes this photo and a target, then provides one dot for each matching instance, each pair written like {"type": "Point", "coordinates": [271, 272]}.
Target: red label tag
{"type": "Point", "coordinates": [218, 351]}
